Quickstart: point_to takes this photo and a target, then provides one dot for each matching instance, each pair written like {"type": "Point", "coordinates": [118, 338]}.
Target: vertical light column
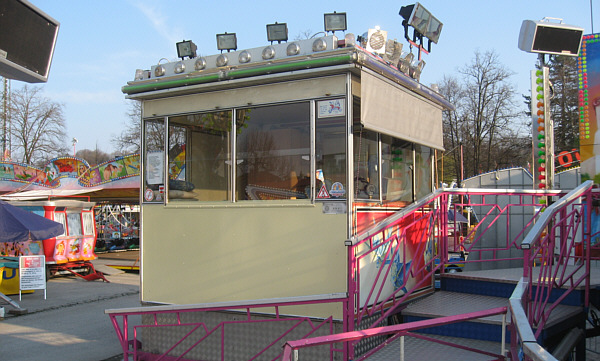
{"type": "Point", "coordinates": [542, 130]}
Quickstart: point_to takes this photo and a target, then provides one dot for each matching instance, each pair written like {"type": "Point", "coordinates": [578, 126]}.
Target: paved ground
{"type": "Point", "coordinates": [70, 323]}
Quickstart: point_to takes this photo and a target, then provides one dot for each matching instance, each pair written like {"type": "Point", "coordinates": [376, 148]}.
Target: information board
{"type": "Point", "coordinates": [32, 273]}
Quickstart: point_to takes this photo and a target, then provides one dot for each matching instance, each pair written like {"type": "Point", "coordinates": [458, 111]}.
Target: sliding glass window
{"type": "Point", "coordinates": [273, 152]}
{"type": "Point", "coordinates": [199, 157]}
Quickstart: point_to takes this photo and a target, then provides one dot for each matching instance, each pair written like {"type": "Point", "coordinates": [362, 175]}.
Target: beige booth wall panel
{"type": "Point", "coordinates": [243, 97]}
{"type": "Point", "coordinates": [201, 255]}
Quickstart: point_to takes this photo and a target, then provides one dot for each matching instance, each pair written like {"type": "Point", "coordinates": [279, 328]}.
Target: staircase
{"type": "Point", "coordinates": [471, 291]}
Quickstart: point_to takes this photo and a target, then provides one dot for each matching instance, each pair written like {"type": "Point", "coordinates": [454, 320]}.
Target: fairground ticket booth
{"type": "Point", "coordinates": [259, 165]}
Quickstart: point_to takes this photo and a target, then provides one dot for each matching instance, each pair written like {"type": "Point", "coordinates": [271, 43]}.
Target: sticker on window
{"type": "Point", "coordinates": [337, 190]}
{"type": "Point", "coordinates": [323, 194]}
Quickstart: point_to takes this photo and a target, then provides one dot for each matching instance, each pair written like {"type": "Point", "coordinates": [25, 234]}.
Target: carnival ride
{"type": "Point", "coordinates": [70, 191]}
{"type": "Point", "coordinates": [116, 180]}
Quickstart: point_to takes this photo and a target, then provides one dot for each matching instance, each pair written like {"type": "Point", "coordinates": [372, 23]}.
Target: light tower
{"type": "Point", "coordinates": [551, 38]}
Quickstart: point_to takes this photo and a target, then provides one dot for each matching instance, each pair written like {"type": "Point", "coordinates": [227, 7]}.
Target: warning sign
{"type": "Point", "coordinates": [323, 194]}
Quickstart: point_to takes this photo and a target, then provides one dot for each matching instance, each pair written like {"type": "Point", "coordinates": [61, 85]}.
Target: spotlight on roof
{"type": "Point", "coordinates": [416, 68]}
{"type": "Point", "coordinates": [277, 32]}
{"type": "Point", "coordinates": [227, 42]}
{"type": "Point", "coordinates": [335, 22]}
{"type": "Point", "coordinates": [186, 48]}
{"type": "Point", "coordinates": [406, 60]}
{"type": "Point", "coordinates": [423, 22]}
{"type": "Point", "coordinates": [393, 51]}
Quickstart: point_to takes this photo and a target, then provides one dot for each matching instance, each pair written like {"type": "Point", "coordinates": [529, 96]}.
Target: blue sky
{"type": "Point", "coordinates": [102, 43]}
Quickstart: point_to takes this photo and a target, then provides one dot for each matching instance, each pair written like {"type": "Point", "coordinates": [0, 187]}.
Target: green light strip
{"type": "Point", "coordinates": [239, 73]}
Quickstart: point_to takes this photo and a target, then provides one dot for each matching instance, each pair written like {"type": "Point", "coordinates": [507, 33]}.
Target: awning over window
{"type": "Point", "coordinates": [390, 109]}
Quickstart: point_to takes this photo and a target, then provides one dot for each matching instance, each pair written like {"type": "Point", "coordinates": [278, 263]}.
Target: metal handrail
{"type": "Point", "coordinates": [523, 333]}
{"type": "Point", "coordinates": [536, 231]}
{"type": "Point", "coordinates": [401, 329]}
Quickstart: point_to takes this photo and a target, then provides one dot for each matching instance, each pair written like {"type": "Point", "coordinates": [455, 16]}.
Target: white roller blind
{"type": "Point", "coordinates": [388, 108]}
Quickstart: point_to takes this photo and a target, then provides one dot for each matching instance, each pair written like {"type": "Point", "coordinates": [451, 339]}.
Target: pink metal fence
{"type": "Point", "coordinates": [426, 222]}
{"type": "Point", "coordinates": [402, 330]}
{"type": "Point", "coordinates": [557, 255]}
{"type": "Point", "coordinates": [429, 220]}
{"type": "Point", "coordinates": [194, 335]}
{"type": "Point", "coordinates": [383, 251]}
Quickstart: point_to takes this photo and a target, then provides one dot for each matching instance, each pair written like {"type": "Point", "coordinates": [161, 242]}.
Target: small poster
{"type": "Point", "coordinates": [331, 108]}
{"type": "Point", "coordinates": [155, 167]}
{"type": "Point", "coordinates": [32, 273]}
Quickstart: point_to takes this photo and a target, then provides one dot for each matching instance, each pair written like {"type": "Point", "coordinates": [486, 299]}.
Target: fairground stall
{"type": "Point", "coordinates": [71, 252]}
{"type": "Point", "coordinates": [260, 165]}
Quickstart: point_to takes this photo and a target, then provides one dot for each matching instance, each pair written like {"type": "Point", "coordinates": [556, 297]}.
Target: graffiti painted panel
{"type": "Point", "coordinates": [391, 265]}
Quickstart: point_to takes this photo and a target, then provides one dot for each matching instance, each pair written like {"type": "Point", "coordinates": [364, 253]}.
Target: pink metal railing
{"type": "Point", "coordinates": [383, 252]}
{"type": "Point", "coordinates": [196, 333]}
{"type": "Point", "coordinates": [595, 219]}
{"type": "Point", "coordinates": [402, 330]}
{"type": "Point", "coordinates": [428, 218]}
{"type": "Point", "coordinates": [495, 211]}
{"type": "Point", "coordinates": [557, 255]}
{"type": "Point", "coordinates": [426, 224]}
{"type": "Point", "coordinates": [386, 244]}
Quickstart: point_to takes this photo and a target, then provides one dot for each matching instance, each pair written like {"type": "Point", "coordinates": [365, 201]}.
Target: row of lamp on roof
{"type": "Point", "coordinates": [275, 32]}
{"type": "Point", "coordinates": [374, 41]}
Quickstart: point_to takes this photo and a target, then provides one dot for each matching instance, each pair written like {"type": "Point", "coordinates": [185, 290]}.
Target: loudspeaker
{"type": "Point", "coordinates": [27, 40]}
{"type": "Point", "coordinates": [550, 38]}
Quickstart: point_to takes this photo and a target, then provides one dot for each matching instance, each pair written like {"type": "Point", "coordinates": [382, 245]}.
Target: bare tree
{"type": "Point", "coordinates": [38, 128]}
{"type": "Point", "coordinates": [130, 139]}
{"type": "Point", "coordinates": [485, 120]}
{"type": "Point", "coordinates": [453, 125]}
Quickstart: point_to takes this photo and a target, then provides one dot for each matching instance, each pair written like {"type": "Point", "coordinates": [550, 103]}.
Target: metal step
{"type": "Point", "coordinates": [444, 303]}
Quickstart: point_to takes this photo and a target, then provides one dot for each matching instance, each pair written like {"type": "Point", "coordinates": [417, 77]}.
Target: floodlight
{"type": "Point", "coordinates": [349, 39]}
{"type": "Point", "coordinates": [550, 38]}
{"type": "Point", "coordinates": [416, 68]}
{"type": "Point", "coordinates": [277, 32]}
{"type": "Point", "coordinates": [244, 57]}
{"type": "Point", "coordinates": [227, 42]}
{"type": "Point", "coordinates": [335, 22]}
{"type": "Point", "coordinates": [393, 51]}
{"type": "Point", "coordinates": [293, 49]}
{"type": "Point", "coordinates": [179, 67]}
{"type": "Point", "coordinates": [159, 70]}
{"type": "Point", "coordinates": [186, 48]}
{"type": "Point", "coordinates": [268, 53]}
{"type": "Point", "coordinates": [141, 74]}
{"type": "Point", "coordinates": [27, 41]}
{"type": "Point", "coordinates": [200, 64]}
{"type": "Point", "coordinates": [422, 21]}
{"type": "Point", "coordinates": [406, 60]}
{"type": "Point", "coordinates": [319, 45]}
{"type": "Point", "coordinates": [222, 60]}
